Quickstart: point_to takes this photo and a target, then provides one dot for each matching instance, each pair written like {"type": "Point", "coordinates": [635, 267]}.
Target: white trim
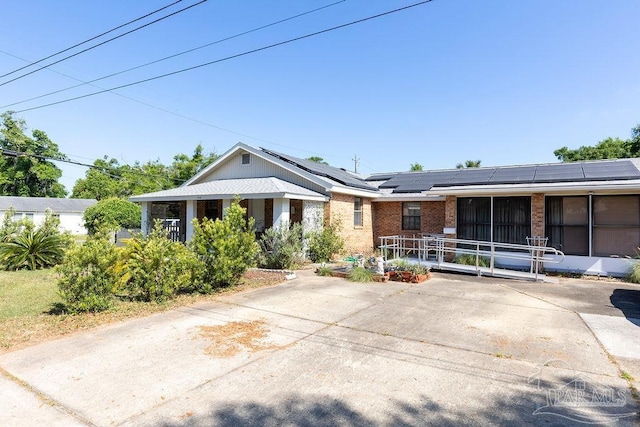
{"type": "Point", "coordinates": [410, 198]}
{"type": "Point", "coordinates": [284, 195]}
{"type": "Point", "coordinates": [354, 192]}
{"type": "Point", "coordinates": [548, 188]}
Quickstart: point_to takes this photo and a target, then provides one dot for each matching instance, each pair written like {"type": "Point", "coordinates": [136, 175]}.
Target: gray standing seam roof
{"type": "Point", "coordinates": [601, 170]}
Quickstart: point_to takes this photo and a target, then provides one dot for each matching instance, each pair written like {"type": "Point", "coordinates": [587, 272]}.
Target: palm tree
{"type": "Point", "coordinates": [469, 164]}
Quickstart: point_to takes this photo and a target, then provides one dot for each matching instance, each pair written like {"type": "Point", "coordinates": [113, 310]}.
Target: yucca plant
{"type": "Point", "coordinates": [32, 249]}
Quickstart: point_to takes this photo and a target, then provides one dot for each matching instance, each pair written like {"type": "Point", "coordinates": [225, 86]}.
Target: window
{"type": "Point", "coordinates": [246, 159]}
{"type": "Point", "coordinates": [567, 224]}
{"type": "Point", "coordinates": [511, 219]}
{"type": "Point", "coordinates": [411, 216]}
{"type": "Point", "coordinates": [357, 212]}
{"type": "Point", "coordinates": [474, 218]}
{"type": "Point", "coordinates": [616, 225]}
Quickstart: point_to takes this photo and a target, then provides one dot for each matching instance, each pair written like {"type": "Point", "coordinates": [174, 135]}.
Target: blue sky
{"type": "Point", "coordinates": [506, 82]}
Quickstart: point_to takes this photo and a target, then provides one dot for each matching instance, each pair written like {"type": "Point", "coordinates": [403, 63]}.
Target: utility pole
{"type": "Point", "coordinates": [355, 163]}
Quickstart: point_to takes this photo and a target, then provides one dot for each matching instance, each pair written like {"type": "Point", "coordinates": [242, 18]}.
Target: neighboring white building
{"type": "Point", "coordinates": [69, 211]}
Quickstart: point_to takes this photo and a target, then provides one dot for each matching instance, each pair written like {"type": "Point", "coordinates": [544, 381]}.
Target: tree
{"type": "Point", "coordinates": [609, 148]}
{"type": "Point", "coordinates": [112, 213]}
{"type": "Point", "coordinates": [185, 167]}
{"type": "Point", "coordinates": [415, 167]}
{"type": "Point", "coordinates": [317, 160]}
{"type": "Point", "coordinates": [30, 174]}
{"type": "Point", "coordinates": [469, 164]}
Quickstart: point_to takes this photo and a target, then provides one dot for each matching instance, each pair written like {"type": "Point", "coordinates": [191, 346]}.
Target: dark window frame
{"type": "Point", "coordinates": [411, 222]}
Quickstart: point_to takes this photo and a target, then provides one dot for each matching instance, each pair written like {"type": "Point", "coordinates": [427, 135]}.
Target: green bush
{"type": "Point", "coordinates": [88, 276]}
{"type": "Point", "coordinates": [324, 271]}
{"type": "Point", "coordinates": [227, 247]}
{"type": "Point", "coordinates": [470, 259]}
{"type": "Point", "coordinates": [634, 273]}
{"type": "Point", "coordinates": [23, 246]}
{"type": "Point", "coordinates": [360, 275]}
{"type": "Point", "coordinates": [113, 213]}
{"type": "Point", "coordinates": [324, 244]}
{"type": "Point", "coordinates": [154, 268]}
{"type": "Point", "coordinates": [282, 247]}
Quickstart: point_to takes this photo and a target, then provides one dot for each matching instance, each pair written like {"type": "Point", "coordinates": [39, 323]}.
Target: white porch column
{"type": "Point", "coordinates": [145, 220]}
{"type": "Point", "coordinates": [281, 212]}
{"type": "Point", "coordinates": [192, 213]}
{"type": "Point", "coordinates": [226, 204]}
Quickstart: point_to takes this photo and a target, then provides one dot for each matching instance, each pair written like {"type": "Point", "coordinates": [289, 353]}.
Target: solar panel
{"type": "Point", "coordinates": [513, 175]}
{"type": "Point", "coordinates": [471, 176]}
{"type": "Point", "coordinates": [559, 172]}
{"type": "Point", "coordinates": [611, 170]}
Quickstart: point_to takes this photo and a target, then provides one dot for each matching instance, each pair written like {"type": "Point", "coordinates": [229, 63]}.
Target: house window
{"type": "Point", "coordinates": [474, 218]}
{"type": "Point", "coordinates": [411, 216]}
{"type": "Point", "coordinates": [567, 224]}
{"type": "Point", "coordinates": [511, 219]}
{"type": "Point", "coordinates": [357, 212]}
{"type": "Point", "coordinates": [616, 225]}
{"type": "Point", "coordinates": [246, 159]}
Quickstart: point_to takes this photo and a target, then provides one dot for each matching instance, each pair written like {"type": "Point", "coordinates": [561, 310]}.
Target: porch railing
{"type": "Point", "coordinates": [436, 249]}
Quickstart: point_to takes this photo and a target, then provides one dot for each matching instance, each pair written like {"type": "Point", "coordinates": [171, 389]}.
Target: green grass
{"type": "Point", "coordinates": [27, 293]}
{"type": "Point", "coordinates": [360, 275]}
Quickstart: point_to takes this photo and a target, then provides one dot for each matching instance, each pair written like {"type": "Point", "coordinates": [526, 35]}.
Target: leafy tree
{"type": "Point", "coordinates": [113, 214]}
{"type": "Point", "coordinates": [609, 148]}
{"type": "Point", "coordinates": [469, 164]}
{"type": "Point", "coordinates": [185, 167]}
{"type": "Point", "coordinates": [30, 174]}
{"type": "Point", "coordinates": [282, 247]}
{"type": "Point", "coordinates": [227, 247]}
{"type": "Point", "coordinates": [415, 167]}
{"type": "Point", "coordinates": [324, 244]}
{"type": "Point", "coordinates": [317, 160]}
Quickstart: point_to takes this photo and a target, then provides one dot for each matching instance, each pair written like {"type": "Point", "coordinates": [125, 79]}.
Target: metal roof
{"type": "Point", "coordinates": [41, 204]}
{"type": "Point", "coordinates": [248, 188]}
{"type": "Point", "coordinates": [599, 170]}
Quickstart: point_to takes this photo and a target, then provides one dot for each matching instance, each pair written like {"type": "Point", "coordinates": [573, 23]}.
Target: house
{"type": "Point", "coordinates": [588, 210]}
{"type": "Point", "coordinates": [69, 211]}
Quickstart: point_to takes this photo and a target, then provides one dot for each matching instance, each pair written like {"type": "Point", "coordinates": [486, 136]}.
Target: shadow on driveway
{"type": "Point", "coordinates": [627, 301]}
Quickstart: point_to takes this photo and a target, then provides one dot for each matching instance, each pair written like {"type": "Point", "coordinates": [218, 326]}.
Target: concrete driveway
{"type": "Point", "coordinates": [455, 350]}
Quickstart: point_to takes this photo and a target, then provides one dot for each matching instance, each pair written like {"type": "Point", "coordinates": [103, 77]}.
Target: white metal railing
{"type": "Point", "coordinates": [433, 248]}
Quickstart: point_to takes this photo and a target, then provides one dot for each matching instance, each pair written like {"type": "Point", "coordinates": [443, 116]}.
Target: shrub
{"type": "Point", "coordinates": [154, 268]}
{"type": "Point", "coordinates": [282, 247]}
{"type": "Point", "coordinates": [470, 259]}
{"type": "Point", "coordinates": [227, 247]}
{"type": "Point", "coordinates": [324, 271]}
{"type": "Point", "coordinates": [23, 246]}
{"type": "Point", "coordinates": [360, 275]}
{"type": "Point", "coordinates": [113, 214]}
{"type": "Point", "coordinates": [634, 273]}
{"type": "Point", "coordinates": [87, 275]}
{"type": "Point", "coordinates": [324, 244]}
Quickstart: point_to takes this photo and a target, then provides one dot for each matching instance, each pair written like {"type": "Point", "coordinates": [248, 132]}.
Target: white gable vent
{"type": "Point", "coordinates": [246, 159]}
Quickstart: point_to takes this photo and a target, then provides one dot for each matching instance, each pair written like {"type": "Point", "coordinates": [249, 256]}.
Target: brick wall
{"type": "Point", "coordinates": [295, 217]}
{"type": "Point", "coordinates": [268, 213]}
{"type": "Point", "coordinates": [537, 214]}
{"type": "Point", "coordinates": [357, 239]}
{"type": "Point", "coordinates": [387, 219]}
{"type": "Point", "coordinates": [450, 220]}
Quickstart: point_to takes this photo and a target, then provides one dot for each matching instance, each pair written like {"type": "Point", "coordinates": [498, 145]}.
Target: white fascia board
{"type": "Point", "coordinates": [355, 192]}
{"type": "Point", "coordinates": [215, 164]}
{"type": "Point", "coordinates": [557, 188]}
{"type": "Point", "coordinates": [411, 198]}
{"type": "Point", "coordinates": [318, 198]}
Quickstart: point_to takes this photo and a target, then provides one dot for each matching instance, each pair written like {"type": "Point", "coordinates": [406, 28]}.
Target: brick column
{"type": "Point", "coordinates": [450, 213]}
{"type": "Point", "coordinates": [537, 214]}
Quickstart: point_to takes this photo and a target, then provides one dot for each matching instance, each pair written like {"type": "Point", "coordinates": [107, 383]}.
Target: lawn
{"type": "Point", "coordinates": [30, 307]}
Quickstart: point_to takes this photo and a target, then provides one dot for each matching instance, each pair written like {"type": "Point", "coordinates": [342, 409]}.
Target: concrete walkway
{"type": "Point", "coordinates": [455, 350]}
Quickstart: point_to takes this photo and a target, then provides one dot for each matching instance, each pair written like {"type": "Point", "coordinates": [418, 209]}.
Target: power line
{"type": "Point", "coordinates": [101, 43]}
{"type": "Point", "coordinates": [174, 55]}
{"type": "Point", "coordinates": [90, 39]}
{"type": "Point", "coordinates": [230, 57]}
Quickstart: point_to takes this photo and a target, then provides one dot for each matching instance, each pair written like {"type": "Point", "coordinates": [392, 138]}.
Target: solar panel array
{"type": "Point", "coordinates": [413, 182]}
{"type": "Point", "coordinates": [320, 169]}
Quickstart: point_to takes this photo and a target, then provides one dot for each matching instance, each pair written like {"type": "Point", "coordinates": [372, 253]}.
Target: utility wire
{"type": "Point", "coordinates": [90, 39]}
{"type": "Point", "coordinates": [230, 57]}
{"type": "Point", "coordinates": [101, 43]}
{"type": "Point", "coordinates": [172, 56]}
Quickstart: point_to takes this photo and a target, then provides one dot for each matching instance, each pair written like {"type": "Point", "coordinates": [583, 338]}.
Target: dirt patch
{"type": "Point", "coordinates": [230, 339]}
